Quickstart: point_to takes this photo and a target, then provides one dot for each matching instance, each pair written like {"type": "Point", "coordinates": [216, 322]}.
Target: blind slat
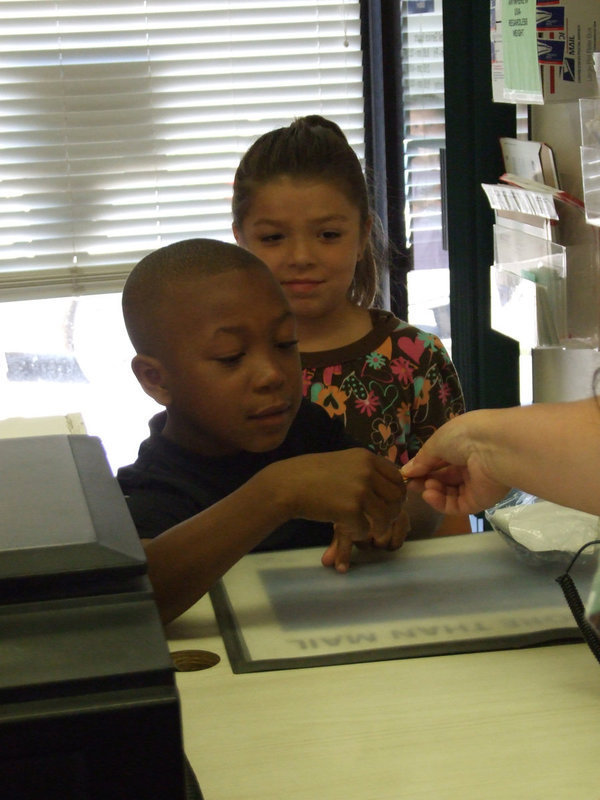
{"type": "Point", "coordinates": [121, 125]}
{"type": "Point", "coordinates": [424, 119]}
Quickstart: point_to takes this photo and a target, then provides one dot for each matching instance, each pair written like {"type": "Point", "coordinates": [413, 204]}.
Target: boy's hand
{"type": "Point", "coordinates": [339, 551]}
{"type": "Point", "coordinates": [354, 488]}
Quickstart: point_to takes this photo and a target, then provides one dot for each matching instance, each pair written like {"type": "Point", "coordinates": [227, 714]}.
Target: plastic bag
{"type": "Point", "coordinates": [542, 531]}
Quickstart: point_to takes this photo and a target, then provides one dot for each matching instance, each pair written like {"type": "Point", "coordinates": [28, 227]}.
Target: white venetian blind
{"type": "Point", "coordinates": [122, 122]}
{"type": "Point", "coordinates": [424, 128]}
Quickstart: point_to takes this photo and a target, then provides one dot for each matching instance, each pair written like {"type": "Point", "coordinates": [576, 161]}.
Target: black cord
{"type": "Point", "coordinates": [579, 552]}
{"type": "Point", "coordinates": [575, 604]}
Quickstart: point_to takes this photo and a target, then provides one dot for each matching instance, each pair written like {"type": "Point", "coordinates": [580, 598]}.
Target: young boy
{"type": "Point", "coordinates": [236, 461]}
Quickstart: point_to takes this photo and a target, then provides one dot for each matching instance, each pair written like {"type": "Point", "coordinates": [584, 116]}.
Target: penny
{"type": "Point", "coordinates": [191, 660]}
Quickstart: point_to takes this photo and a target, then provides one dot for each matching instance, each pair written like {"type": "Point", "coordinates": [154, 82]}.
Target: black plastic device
{"type": "Point", "coordinates": [89, 708]}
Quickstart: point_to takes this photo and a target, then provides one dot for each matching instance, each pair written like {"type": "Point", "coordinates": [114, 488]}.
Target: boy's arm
{"type": "Point", "coordinates": [187, 559]}
{"type": "Point", "coordinates": [361, 491]}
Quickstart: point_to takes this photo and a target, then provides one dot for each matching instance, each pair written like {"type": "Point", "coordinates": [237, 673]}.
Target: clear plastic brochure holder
{"type": "Point", "coordinates": [589, 112]}
{"type": "Point", "coordinates": [528, 288]}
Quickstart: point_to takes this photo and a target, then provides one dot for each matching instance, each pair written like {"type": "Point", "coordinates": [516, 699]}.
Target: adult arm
{"type": "Point", "coordinates": [550, 450]}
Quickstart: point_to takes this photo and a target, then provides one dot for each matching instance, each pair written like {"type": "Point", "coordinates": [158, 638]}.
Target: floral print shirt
{"type": "Point", "coordinates": [392, 388]}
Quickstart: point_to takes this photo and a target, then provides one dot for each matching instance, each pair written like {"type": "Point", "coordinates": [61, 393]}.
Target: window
{"type": "Point", "coordinates": [424, 145]}
{"type": "Point", "coordinates": [121, 126]}
{"type": "Point", "coordinates": [424, 139]}
{"type": "Point", "coordinates": [424, 130]}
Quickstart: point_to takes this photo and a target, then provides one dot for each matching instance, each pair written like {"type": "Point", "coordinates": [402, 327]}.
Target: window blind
{"type": "Point", "coordinates": [424, 128]}
{"type": "Point", "coordinates": [122, 123]}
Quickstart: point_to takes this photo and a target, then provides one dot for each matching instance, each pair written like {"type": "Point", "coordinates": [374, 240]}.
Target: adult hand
{"type": "Point", "coordinates": [453, 488]}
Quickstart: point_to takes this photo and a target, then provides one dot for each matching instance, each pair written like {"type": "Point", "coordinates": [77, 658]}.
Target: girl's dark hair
{"type": "Point", "coordinates": [313, 147]}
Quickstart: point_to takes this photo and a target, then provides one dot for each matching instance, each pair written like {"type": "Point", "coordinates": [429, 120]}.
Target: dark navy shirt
{"type": "Point", "coordinates": [168, 484]}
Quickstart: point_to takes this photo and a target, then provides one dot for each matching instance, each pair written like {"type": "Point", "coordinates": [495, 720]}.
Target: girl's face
{"type": "Point", "coordinates": [310, 236]}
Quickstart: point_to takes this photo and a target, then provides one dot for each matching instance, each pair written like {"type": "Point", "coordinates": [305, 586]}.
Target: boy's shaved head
{"type": "Point", "coordinates": [155, 280]}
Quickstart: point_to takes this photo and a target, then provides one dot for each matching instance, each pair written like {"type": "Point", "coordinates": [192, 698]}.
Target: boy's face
{"type": "Point", "coordinates": [231, 376]}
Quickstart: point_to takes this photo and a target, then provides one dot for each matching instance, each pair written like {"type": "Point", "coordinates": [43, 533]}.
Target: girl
{"type": "Point", "coordinates": [301, 203]}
